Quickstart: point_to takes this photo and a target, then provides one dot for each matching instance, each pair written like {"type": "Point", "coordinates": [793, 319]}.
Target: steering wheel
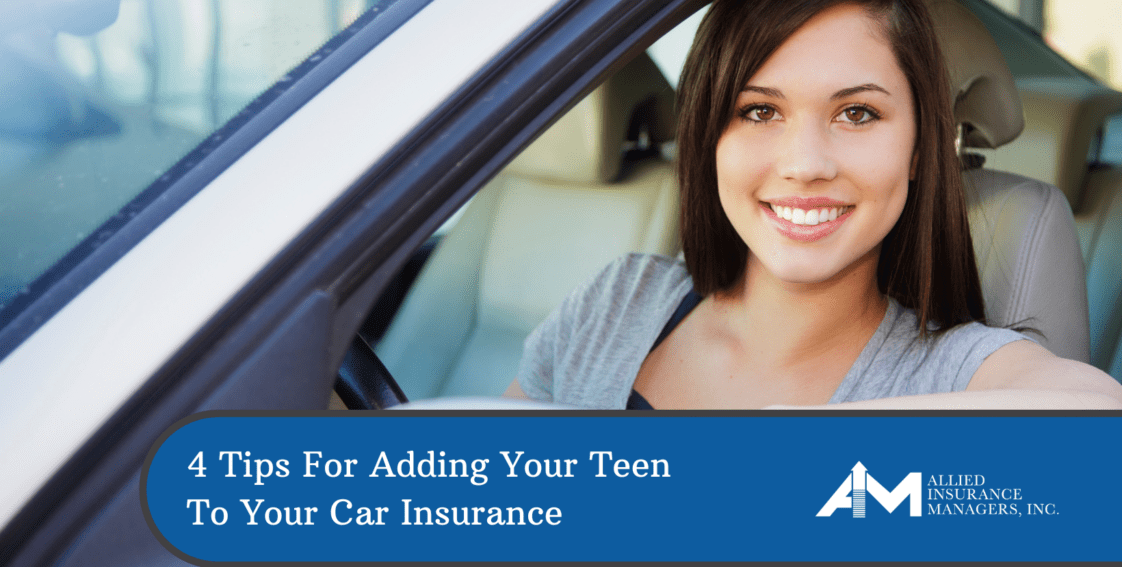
{"type": "Point", "coordinates": [363, 382]}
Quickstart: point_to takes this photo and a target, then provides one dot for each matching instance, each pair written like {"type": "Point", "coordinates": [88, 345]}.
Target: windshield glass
{"type": "Point", "coordinates": [104, 102]}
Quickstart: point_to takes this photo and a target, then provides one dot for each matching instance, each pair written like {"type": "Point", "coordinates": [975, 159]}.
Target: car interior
{"type": "Point", "coordinates": [1065, 143]}
{"type": "Point", "coordinates": [1069, 142]}
{"type": "Point", "coordinates": [1023, 232]}
{"type": "Point", "coordinates": [1036, 146]}
{"type": "Point", "coordinates": [568, 205]}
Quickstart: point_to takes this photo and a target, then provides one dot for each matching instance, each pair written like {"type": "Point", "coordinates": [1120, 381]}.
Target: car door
{"type": "Point", "coordinates": [236, 279]}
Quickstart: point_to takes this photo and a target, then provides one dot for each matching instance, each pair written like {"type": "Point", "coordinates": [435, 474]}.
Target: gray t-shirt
{"type": "Point", "coordinates": [588, 351]}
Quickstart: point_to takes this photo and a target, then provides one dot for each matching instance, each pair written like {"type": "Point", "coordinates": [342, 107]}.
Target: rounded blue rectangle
{"type": "Point", "coordinates": [574, 486]}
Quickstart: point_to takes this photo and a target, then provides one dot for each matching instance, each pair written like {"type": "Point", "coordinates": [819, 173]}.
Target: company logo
{"type": "Point", "coordinates": [852, 492]}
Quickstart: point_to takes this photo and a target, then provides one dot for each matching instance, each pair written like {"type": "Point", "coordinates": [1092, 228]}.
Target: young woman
{"type": "Point", "coordinates": [827, 253]}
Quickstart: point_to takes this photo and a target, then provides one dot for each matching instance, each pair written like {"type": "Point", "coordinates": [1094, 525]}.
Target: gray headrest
{"type": "Point", "coordinates": [586, 144]}
{"type": "Point", "coordinates": [985, 95]}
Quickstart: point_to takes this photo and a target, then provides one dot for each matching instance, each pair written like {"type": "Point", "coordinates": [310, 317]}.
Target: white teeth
{"type": "Point", "coordinates": [808, 218]}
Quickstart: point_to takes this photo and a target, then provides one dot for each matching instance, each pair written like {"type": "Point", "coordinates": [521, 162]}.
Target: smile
{"type": "Point", "coordinates": [806, 224]}
{"type": "Point", "coordinates": [809, 217]}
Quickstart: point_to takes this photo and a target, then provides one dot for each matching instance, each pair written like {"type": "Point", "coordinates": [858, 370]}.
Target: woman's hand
{"type": "Point", "coordinates": [515, 391]}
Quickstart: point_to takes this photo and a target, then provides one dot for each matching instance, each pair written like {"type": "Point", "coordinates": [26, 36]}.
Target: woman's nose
{"type": "Point", "coordinates": [805, 155]}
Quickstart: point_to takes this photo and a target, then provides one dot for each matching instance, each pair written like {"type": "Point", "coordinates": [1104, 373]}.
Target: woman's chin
{"type": "Point", "coordinates": [801, 266]}
{"type": "Point", "coordinates": [803, 274]}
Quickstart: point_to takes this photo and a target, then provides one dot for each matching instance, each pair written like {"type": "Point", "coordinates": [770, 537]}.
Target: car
{"type": "Point", "coordinates": [187, 230]}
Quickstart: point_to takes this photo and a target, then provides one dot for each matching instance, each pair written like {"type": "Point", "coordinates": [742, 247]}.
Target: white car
{"type": "Point", "coordinates": [224, 205]}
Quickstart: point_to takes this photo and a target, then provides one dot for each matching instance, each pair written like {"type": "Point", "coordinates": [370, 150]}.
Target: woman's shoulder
{"type": "Point", "coordinates": [901, 361]}
{"type": "Point", "coordinates": [636, 278]}
{"type": "Point", "coordinates": [632, 292]}
{"type": "Point", "coordinates": [902, 326]}
{"type": "Point", "coordinates": [954, 355]}
{"type": "Point", "coordinates": [651, 267]}
{"type": "Point", "coordinates": [588, 351]}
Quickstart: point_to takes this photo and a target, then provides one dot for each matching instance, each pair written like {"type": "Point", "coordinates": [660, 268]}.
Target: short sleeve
{"type": "Point", "coordinates": [897, 361]}
{"type": "Point", "coordinates": [588, 351]}
{"type": "Point", "coordinates": [544, 346]}
{"type": "Point", "coordinates": [971, 344]}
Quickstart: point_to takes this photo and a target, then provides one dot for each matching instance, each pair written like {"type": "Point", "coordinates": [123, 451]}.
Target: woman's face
{"type": "Point", "coordinates": [813, 169]}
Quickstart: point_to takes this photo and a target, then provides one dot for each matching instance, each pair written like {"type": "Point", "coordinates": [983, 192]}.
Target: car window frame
{"type": "Point", "coordinates": [331, 274]}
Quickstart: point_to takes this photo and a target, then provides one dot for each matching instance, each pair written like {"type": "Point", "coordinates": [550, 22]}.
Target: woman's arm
{"type": "Point", "coordinates": [984, 400]}
{"type": "Point", "coordinates": [1019, 375]}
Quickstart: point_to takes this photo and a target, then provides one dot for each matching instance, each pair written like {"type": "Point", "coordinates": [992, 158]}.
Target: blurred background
{"type": "Point", "coordinates": [1083, 31]}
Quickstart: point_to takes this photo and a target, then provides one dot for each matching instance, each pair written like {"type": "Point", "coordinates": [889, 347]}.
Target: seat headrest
{"type": "Point", "coordinates": [985, 96]}
{"type": "Point", "coordinates": [586, 144]}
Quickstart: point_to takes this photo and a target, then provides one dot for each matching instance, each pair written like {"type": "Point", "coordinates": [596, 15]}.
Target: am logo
{"type": "Point", "coordinates": [852, 492]}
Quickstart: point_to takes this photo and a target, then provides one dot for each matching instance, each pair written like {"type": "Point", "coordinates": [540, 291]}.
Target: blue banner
{"type": "Point", "coordinates": [659, 486]}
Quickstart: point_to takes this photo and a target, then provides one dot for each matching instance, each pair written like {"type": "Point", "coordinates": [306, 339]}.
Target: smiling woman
{"type": "Point", "coordinates": [830, 139]}
{"type": "Point", "coordinates": [828, 255]}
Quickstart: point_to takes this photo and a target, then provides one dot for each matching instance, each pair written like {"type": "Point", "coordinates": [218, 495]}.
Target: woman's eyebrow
{"type": "Point", "coordinates": [776, 93]}
{"type": "Point", "coordinates": [766, 91]}
{"type": "Point", "coordinates": [859, 89]}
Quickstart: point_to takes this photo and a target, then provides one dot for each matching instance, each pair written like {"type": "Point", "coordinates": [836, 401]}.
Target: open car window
{"type": "Point", "coordinates": [454, 320]}
{"type": "Point", "coordinates": [456, 327]}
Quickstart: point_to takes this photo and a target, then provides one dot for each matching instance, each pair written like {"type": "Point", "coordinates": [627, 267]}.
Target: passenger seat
{"type": "Point", "coordinates": [1024, 235]}
{"type": "Point", "coordinates": [1066, 121]}
{"type": "Point", "coordinates": [1064, 118]}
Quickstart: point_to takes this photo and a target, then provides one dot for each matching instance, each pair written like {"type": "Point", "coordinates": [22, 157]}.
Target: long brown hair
{"type": "Point", "coordinates": [733, 42]}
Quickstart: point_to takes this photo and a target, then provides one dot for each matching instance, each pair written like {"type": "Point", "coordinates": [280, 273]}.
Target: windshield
{"type": "Point", "coordinates": [106, 103]}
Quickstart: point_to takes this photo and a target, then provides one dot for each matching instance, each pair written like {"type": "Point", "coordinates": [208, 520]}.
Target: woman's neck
{"type": "Point", "coordinates": [787, 324]}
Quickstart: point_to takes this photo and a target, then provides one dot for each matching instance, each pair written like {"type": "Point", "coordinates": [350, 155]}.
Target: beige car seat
{"type": "Point", "coordinates": [1065, 120]}
{"type": "Point", "coordinates": [1024, 235]}
{"type": "Point", "coordinates": [561, 211]}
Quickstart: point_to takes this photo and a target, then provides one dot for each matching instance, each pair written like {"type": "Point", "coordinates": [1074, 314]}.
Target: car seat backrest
{"type": "Point", "coordinates": [1029, 260]}
{"type": "Point", "coordinates": [1063, 117]}
{"type": "Point", "coordinates": [1067, 118]}
{"type": "Point", "coordinates": [561, 211]}
{"type": "Point", "coordinates": [585, 146]}
{"type": "Point", "coordinates": [1024, 236]}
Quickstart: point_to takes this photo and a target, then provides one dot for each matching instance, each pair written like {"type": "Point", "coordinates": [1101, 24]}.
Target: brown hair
{"type": "Point", "coordinates": [733, 42]}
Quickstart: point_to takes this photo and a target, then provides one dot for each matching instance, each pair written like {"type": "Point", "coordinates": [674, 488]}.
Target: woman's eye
{"type": "Point", "coordinates": [858, 115]}
{"type": "Point", "coordinates": [759, 114]}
